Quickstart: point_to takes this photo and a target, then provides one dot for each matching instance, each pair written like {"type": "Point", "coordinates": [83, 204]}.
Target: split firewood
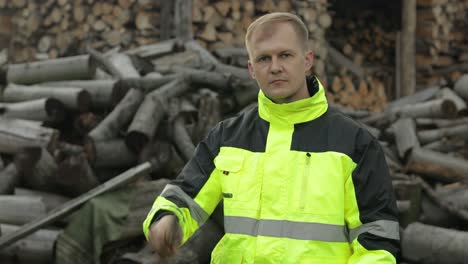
{"type": "Point", "coordinates": [19, 210]}
{"type": "Point", "coordinates": [429, 244]}
{"type": "Point", "coordinates": [36, 248]}
{"type": "Point", "coordinates": [68, 68]}
{"type": "Point", "coordinates": [16, 134]}
{"type": "Point", "coordinates": [46, 109]}
{"type": "Point", "coordinates": [72, 98]}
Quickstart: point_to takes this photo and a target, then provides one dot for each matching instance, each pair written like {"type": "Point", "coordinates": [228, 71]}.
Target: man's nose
{"type": "Point", "coordinates": [275, 65]}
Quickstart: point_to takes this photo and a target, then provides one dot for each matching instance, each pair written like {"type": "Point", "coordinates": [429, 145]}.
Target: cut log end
{"type": "Point", "coordinates": [55, 110]}
{"type": "Point", "coordinates": [84, 101]}
{"type": "Point", "coordinates": [449, 108]}
{"type": "Point", "coordinates": [136, 141]}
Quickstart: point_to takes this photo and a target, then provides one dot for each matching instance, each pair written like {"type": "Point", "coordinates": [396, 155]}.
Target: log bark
{"type": "Point", "coordinates": [75, 203]}
{"type": "Point", "coordinates": [36, 248]}
{"type": "Point", "coordinates": [37, 168]}
{"type": "Point", "coordinates": [50, 200]}
{"type": "Point", "coordinates": [441, 122]}
{"type": "Point", "coordinates": [411, 191]}
{"type": "Point", "coordinates": [433, 108]}
{"type": "Point", "coordinates": [155, 50]}
{"type": "Point", "coordinates": [461, 87]}
{"type": "Point", "coordinates": [69, 68]}
{"type": "Point", "coordinates": [437, 165]}
{"type": "Point", "coordinates": [145, 84]}
{"type": "Point", "coordinates": [19, 210]}
{"type": "Point", "coordinates": [456, 195]}
{"type": "Point", "coordinates": [150, 113]}
{"type": "Point", "coordinates": [100, 90]}
{"type": "Point", "coordinates": [110, 154]}
{"type": "Point", "coordinates": [9, 179]}
{"type": "Point", "coordinates": [430, 244]}
{"type": "Point", "coordinates": [448, 94]}
{"type": "Point", "coordinates": [72, 98]}
{"type": "Point", "coordinates": [432, 135]}
{"type": "Point", "coordinates": [405, 136]}
{"type": "Point", "coordinates": [45, 110]}
{"type": "Point", "coordinates": [126, 108]}
{"type": "Point", "coordinates": [419, 97]}
{"type": "Point", "coordinates": [16, 134]}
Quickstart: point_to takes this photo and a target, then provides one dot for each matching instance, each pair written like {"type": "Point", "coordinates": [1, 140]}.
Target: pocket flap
{"type": "Point", "coordinates": [229, 163]}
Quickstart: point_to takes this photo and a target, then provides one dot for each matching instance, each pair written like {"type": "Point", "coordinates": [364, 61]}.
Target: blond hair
{"type": "Point", "coordinates": [278, 17]}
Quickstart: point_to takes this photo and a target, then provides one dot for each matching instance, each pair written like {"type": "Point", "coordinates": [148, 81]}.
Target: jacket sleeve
{"type": "Point", "coordinates": [193, 196]}
{"type": "Point", "coordinates": [370, 208]}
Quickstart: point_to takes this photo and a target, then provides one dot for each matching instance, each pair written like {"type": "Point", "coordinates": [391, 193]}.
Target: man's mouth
{"type": "Point", "coordinates": [277, 81]}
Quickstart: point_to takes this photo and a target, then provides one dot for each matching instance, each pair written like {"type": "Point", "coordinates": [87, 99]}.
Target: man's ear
{"type": "Point", "coordinates": [309, 60]}
{"type": "Point", "coordinates": [251, 71]}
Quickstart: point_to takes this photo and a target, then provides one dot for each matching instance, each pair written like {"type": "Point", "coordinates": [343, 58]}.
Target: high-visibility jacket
{"type": "Point", "coordinates": [300, 182]}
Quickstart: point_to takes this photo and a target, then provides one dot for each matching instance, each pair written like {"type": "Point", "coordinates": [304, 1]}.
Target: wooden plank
{"type": "Point", "coordinates": [408, 47]}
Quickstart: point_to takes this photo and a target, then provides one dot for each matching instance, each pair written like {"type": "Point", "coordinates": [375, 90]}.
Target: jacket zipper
{"type": "Point", "coordinates": [305, 179]}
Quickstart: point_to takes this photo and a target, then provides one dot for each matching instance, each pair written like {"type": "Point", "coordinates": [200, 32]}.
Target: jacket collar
{"type": "Point", "coordinates": [300, 111]}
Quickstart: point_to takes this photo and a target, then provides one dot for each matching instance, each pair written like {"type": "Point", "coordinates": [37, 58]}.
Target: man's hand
{"type": "Point", "coordinates": [165, 235]}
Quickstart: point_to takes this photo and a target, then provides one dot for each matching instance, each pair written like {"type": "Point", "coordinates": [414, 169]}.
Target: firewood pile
{"type": "Point", "coordinates": [59, 28]}
{"type": "Point", "coordinates": [441, 45]}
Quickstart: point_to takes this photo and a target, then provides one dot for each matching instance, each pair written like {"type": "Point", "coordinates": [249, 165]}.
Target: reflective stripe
{"type": "Point", "coordinates": [283, 228]}
{"type": "Point", "coordinates": [195, 210]}
{"type": "Point", "coordinates": [381, 228]}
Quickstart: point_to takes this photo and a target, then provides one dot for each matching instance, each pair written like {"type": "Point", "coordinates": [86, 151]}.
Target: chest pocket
{"type": "Point", "coordinates": [230, 169]}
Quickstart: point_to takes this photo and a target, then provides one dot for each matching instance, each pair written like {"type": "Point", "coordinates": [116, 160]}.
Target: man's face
{"type": "Point", "coordinates": [278, 62]}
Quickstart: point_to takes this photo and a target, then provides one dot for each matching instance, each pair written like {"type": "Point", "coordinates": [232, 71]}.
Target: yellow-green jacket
{"type": "Point", "coordinates": [301, 183]}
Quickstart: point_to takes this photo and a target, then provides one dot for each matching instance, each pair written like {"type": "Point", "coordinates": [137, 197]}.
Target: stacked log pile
{"type": "Point", "coordinates": [424, 139]}
{"type": "Point", "coordinates": [442, 42]}
{"type": "Point", "coordinates": [360, 60]}
{"type": "Point", "coordinates": [59, 28]}
{"type": "Point", "coordinates": [220, 23]}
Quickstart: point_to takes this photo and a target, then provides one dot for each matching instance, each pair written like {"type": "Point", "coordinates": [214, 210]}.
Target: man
{"type": "Point", "coordinates": [301, 183]}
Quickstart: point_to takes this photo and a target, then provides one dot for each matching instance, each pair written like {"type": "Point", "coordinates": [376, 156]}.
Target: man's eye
{"type": "Point", "coordinates": [262, 59]}
{"type": "Point", "coordinates": [285, 55]}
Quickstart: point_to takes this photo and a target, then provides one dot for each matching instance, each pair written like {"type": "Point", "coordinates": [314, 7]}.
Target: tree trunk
{"type": "Point", "coordinates": [72, 98]}
{"type": "Point", "coordinates": [433, 108]}
{"type": "Point", "coordinates": [50, 200]}
{"type": "Point", "coordinates": [429, 244]}
{"type": "Point", "coordinates": [405, 136]}
{"type": "Point", "coordinates": [19, 210]}
{"type": "Point", "coordinates": [418, 97]}
{"type": "Point", "coordinates": [100, 90]}
{"type": "Point", "coordinates": [428, 136]}
{"type": "Point", "coordinates": [448, 94]}
{"type": "Point", "coordinates": [16, 134]}
{"type": "Point", "coordinates": [36, 248]}
{"type": "Point", "coordinates": [437, 165]}
{"type": "Point", "coordinates": [110, 154]}
{"type": "Point", "coordinates": [45, 110]}
{"type": "Point", "coordinates": [69, 68]}
{"type": "Point", "coordinates": [145, 84]}
{"type": "Point", "coordinates": [150, 113]}
{"type": "Point", "coordinates": [124, 111]}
